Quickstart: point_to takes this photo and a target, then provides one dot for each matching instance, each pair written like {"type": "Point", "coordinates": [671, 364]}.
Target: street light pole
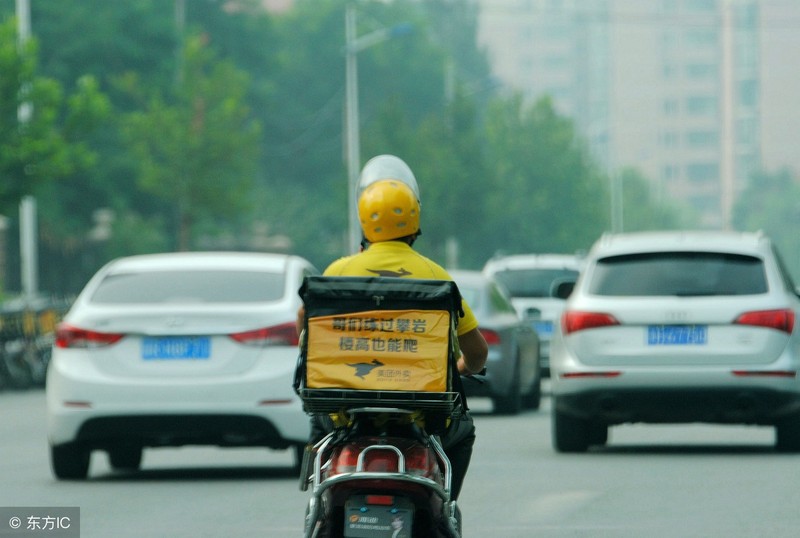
{"type": "Point", "coordinates": [28, 233]}
{"type": "Point", "coordinates": [354, 45]}
{"type": "Point", "coordinates": [353, 134]}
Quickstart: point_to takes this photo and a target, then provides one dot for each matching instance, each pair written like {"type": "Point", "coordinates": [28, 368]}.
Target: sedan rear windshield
{"type": "Point", "coordinates": [534, 282]}
{"type": "Point", "coordinates": [190, 286]}
{"type": "Point", "coordinates": [678, 273]}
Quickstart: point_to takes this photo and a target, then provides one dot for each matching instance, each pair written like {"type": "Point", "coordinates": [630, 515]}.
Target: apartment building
{"type": "Point", "coordinates": [671, 87]}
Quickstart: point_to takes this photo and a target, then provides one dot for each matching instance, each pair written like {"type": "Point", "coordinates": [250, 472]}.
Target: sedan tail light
{"type": "Point", "coordinates": [572, 321]}
{"type": "Point", "coordinates": [69, 336]}
{"type": "Point", "coordinates": [781, 320]}
{"type": "Point", "coordinates": [492, 338]}
{"type": "Point", "coordinates": [278, 335]}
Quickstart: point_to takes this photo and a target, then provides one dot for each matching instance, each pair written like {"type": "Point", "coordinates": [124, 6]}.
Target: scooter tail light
{"type": "Point", "coordinates": [345, 461]}
{"type": "Point", "coordinates": [381, 461]}
{"type": "Point", "coordinates": [380, 500]}
{"type": "Point", "coordinates": [420, 461]}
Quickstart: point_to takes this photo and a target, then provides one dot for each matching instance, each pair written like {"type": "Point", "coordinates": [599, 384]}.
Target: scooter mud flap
{"type": "Point", "coordinates": [378, 516]}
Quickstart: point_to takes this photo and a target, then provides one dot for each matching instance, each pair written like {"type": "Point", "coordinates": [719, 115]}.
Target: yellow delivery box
{"type": "Point", "coordinates": [380, 350]}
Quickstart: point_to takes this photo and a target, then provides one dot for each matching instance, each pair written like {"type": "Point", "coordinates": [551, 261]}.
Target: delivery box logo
{"type": "Point", "coordinates": [364, 368]}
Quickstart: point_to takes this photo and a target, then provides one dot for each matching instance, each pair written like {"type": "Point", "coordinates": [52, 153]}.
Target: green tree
{"type": "Point", "coordinates": [640, 211]}
{"type": "Point", "coordinates": [41, 129]}
{"type": "Point", "coordinates": [198, 149]}
{"type": "Point", "coordinates": [771, 202]}
{"type": "Point", "coordinates": [45, 141]}
{"type": "Point", "coordinates": [546, 193]}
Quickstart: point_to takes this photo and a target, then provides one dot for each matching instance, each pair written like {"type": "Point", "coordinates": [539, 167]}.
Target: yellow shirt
{"type": "Point", "coordinates": [397, 259]}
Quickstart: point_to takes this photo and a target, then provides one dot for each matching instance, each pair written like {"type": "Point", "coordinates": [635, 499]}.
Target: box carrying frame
{"type": "Point", "coordinates": [326, 298]}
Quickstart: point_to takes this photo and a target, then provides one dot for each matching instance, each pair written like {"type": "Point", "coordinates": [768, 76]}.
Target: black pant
{"type": "Point", "coordinates": [457, 442]}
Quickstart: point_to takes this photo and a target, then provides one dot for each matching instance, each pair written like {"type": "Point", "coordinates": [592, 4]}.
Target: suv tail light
{"type": "Point", "coordinates": [781, 320]}
{"type": "Point", "coordinates": [572, 321]}
{"type": "Point", "coordinates": [278, 335]}
{"type": "Point", "coordinates": [69, 336]}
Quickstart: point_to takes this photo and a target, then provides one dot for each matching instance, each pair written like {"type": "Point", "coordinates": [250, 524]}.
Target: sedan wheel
{"type": "Point", "coordinates": [509, 403]}
{"type": "Point", "coordinates": [69, 461]}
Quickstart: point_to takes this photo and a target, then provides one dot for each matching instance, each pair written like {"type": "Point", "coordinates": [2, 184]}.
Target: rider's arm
{"type": "Point", "coordinates": [473, 352]}
{"type": "Point", "coordinates": [301, 319]}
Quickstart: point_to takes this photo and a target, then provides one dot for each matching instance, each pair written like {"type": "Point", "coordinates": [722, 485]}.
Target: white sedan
{"type": "Point", "coordinates": [177, 349]}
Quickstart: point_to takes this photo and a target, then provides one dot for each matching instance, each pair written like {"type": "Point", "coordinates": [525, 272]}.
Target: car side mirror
{"type": "Point", "coordinates": [564, 289]}
{"type": "Point", "coordinates": [532, 313]}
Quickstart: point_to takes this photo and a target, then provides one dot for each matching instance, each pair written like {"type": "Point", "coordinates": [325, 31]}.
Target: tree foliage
{"type": "Point", "coordinates": [197, 151]}
{"type": "Point", "coordinates": [771, 203]}
{"type": "Point", "coordinates": [547, 194]}
{"type": "Point", "coordinates": [251, 142]}
{"type": "Point", "coordinates": [41, 129]}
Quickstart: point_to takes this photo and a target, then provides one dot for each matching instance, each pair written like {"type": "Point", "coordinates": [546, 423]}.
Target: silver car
{"type": "Point", "coordinates": [531, 280]}
{"type": "Point", "coordinates": [177, 349]}
{"type": "Point", "coordinates": [677, 327]}
{"type": "Point", "coordinates": [513, 375]}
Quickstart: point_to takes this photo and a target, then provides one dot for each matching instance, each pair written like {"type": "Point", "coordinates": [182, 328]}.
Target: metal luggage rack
{"type": "Point", "coordinates": [333, 400]}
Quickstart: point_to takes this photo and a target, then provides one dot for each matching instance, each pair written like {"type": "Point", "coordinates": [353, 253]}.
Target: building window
{"type": "Point", "coordinates": [701, 5]}
{"type": "Point", "coordinates": [669, 139]}
{"type": "Point", "coordinates": [701, 71]}
{"type": "Point", "coordinates": [705, 204]}
{"type": "Point", "coordinates": [748, 93]}
{"type": "Point", "coordinates": [702, 139]}
{"type": "Point", "coordinates": [746, 131]}
{"type": "Point", "coordinates": [701, 105]}
{"type": "Point", "coordinates": [702, 37]}
{"type": "Point", "coordinates": [702, 172]}
{"type": "Point", "coordinates": [670, 107]}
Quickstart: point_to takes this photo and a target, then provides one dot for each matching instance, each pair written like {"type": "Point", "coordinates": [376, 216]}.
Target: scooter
{"type": "Point", "coordinates": [378, 358]}
{"type": "Point", "coordinates": [382, 475]}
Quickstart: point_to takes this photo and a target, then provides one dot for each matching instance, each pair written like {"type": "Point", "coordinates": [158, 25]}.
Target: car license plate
{"type": "Point", "coordinates": [364, 520]}
{"type": "Point", "coordinates": [543, 328]}
{"type": "Point", "coordinates": [176, 347]}
{"type": "Point", "coordinates": [677, 335]}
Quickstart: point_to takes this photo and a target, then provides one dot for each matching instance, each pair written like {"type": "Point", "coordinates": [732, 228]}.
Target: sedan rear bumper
{"type": "Point", "coordinates": [229, 430]}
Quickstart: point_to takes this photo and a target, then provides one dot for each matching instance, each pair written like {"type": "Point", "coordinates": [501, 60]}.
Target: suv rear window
{"type": "Point", "coordinates": [533, 282]}
{"type": "Point", "coordinates": [679, 273]}
{"type": "Point", "coordinates": [190, 286]}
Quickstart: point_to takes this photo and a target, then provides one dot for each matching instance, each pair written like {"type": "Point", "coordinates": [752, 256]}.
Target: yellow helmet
{"type": "Point", "coordinates": [388, 209]}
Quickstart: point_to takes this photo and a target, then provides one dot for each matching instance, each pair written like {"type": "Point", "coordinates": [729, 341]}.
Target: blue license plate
{"type": "Point", "coordinates": [176, 347]}
{"type": "Point", "coordinates": [543, 328]}
{"type": "Point", "coordinates": [677, 335]}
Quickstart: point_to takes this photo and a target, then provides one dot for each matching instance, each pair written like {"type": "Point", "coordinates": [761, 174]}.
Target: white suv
{"type": "Point", "coordinates": [531, 280]}
{"type": "Point", "coordinates": [677, 327]}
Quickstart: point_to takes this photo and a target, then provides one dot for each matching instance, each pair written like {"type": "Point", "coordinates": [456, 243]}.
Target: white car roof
{"type": "Point", "coordinates": [661, 241]}
{"type": "Point", "coordinates": [201, 260]}
{"type": "Point", "coordinates": [533, 261]}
